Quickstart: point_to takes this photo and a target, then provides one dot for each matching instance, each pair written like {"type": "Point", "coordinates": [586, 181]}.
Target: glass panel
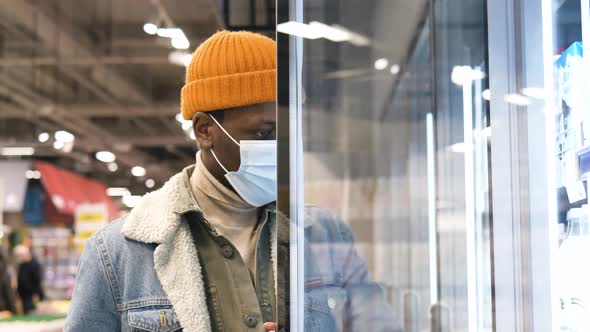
{"type": "Point", "coordinates": [388, 135]}
{"type": "Point", "coordinates": [538, 114]}
{"type": "Point", "coordinates": [463, 132]}
{"type": "Point", "coordinates": [568, 129]}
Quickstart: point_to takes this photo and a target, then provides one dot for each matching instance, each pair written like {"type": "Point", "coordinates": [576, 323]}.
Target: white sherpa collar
{"type": "Point", "coordinates": [157, 219]}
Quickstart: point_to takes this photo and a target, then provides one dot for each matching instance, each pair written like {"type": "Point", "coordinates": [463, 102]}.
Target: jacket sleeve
{"type": "Point", "coordinates": [93, 305]}
{"type": "Point", "coordinates": [368, 309]}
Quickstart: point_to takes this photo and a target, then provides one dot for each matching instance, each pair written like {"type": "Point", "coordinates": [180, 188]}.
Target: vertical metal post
{"type": "Point", "coordinates": [290, 163]}
{"type": "Point", "coordinates": [520, 55]}
{"type": "Point", "coordinates": [506, 170]}
{"type": "Point", "coordinates": [469, 205]}
{"type": "Point", "coordinates": [432, 234]}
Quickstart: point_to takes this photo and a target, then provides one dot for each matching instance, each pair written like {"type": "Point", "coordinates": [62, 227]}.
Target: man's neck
{"type": "Point", "coordinates": [212, 194]}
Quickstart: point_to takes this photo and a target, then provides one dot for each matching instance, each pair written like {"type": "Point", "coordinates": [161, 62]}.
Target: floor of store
{"type": "Point", "coordinates": [48, 317]}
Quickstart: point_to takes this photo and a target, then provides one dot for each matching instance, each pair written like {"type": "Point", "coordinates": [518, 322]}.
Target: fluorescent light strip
{"type": "Point", "coordinates": [138, 171]}
{"type": "Point", "coordinates": [316, 30]}
{"type": "Point", "coordinates": [170, 32]}
{"type": "Point", "coordinates": [17, 151]}
{"type": "Point", "coordinates": [331, 33]}
{"type": "Point", "coordinates": [118, 191]}
{"type": "Point", "coordinates": [299, 29]}
{"type": "Point", "coordinates": [64, 136]}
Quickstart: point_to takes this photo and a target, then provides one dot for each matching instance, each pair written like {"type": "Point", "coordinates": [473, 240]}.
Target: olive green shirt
{"type": "Point", "coordinates": [233, 242]}
{"type": "Point", "coordinates": [237, 300]}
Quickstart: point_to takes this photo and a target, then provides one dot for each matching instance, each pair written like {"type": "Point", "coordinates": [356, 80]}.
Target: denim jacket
{"type": "Point", "coordinates": [142, 273]}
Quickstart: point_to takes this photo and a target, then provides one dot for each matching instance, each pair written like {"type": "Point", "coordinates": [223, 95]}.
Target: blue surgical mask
{"type": "Point", "coordinates": [256, 179]}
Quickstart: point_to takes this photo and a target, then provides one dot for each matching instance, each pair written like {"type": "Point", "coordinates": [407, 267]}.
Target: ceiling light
{"type": "Point", "coordinates": [180, 43]}
{"type": "Point", "coordinates": [186, 124]}
{"type": "Point", "coordinates": [118, 191]}
{"type": "Point", "coordinates": [299, 29]}
{"type": "Point", "coordinates": [537, 93]}
{"type": "Point", "coordinates": [316, 30]}
{"type": "Point", "coordinates": [177, 37]}
{"type": "Point", "coordinates": [180, 58]}
{"type": "Point", "coordinates": [30, 174]}
{"type": "Point", "coordinates": [517, 99]}
{"type": "Point", "coordinates": [462, 75]}
{"type": "Point", "coordinates": [486, 94]}
{"type": "Point", "coordinates": [458, 147]}
{"type": "Point", "coordinates": [43, 137]}
{"type": "Point", "coordinates": [17, 151]}
{"type": "Point", "coordinates": [186, 60]}
{"type": "Point", "coordinates": [105, 156]}
{"type": "Point", "coordinates": [58, 145]}
{"type": "Point", "coordinates": [138, 171]}
{"type": "Point", "coordinates": [131, 201]}
{"type": "Point", "coordinates": [113, 167]}
{"type": "Point", "coordinates": [355, 39]}
{"type": "Point", "coordinates": [330, 33]}
{"type": "Point", "coordinates": [150, 183]}
{"type": "Point", "coordinates": [150, 28]}
{"type": "Point", "coordinates": [64, 136]}
{"type": "Point", "coordinates": [68, 147]}
{"type": "Point", "coordinates": [381, 64]}
{"type": "Point", "coordinates": [170, 32]}
{"type": "Point", "coordinates": [394, 69]}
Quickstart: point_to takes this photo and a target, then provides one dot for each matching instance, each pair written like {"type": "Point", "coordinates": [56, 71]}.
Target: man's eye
{"type": "Point", "coordinates": [263, 133]}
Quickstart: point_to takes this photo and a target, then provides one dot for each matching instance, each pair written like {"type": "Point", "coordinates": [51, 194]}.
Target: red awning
{"type": "Point", "coordinates": [67, 190]}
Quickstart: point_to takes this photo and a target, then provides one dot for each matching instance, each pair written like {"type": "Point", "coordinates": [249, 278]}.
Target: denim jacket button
{"type": "Point", "coordinates": [331, 302]}
{"type": "Point", "coordinates": [227, 251]}
{"type": "Point", "coordinates": [250, 320]}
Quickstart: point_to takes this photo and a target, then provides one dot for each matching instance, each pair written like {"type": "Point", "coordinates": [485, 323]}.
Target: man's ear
{"type": "Point", "coordinates": [202, 127]}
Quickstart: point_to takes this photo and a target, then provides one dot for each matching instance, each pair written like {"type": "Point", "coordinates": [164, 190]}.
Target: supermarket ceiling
{"type": "Point", "coordinates": [98, 70]}
{"type": "Point", "coordinates": [101, 71]}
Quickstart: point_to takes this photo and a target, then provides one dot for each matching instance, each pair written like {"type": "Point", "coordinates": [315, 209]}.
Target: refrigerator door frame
{"type": "Point", "coordinates": [523, 195]}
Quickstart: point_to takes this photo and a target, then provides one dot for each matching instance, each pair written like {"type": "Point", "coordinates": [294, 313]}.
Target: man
{"type": "Point", "coordinates": [29, 278]}
{"type": "Point", "coordinates": [199, 253]}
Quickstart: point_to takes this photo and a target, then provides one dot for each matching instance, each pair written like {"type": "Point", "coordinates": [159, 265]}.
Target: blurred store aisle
{"type": "Point", "coordinates": [49, 316]}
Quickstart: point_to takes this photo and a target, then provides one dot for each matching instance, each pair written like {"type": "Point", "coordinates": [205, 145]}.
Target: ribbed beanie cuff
{"type": "Point", "coordinates": [221, 92]}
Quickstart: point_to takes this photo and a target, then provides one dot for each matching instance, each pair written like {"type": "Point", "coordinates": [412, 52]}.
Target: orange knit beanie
{"type": "Point", "coordinates": [230, 69]}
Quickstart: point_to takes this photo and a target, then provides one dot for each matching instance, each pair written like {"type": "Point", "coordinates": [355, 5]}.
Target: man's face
{"type": "Point", "coordinates": [256, 122]}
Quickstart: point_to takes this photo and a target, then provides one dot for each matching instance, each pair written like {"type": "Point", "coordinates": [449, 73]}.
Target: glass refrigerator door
{"type": "Point", "coordinates": [434, 159]}
{"type": "Point", "coordinates": [540, 121]}
{"type": "Point", "coordinates": [383, 137]}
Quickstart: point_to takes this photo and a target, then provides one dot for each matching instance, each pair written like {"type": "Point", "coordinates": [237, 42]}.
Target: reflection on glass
{"type": "Point", "coordinates": [570, 123]}
{"type": "Point", "coordinates": [395, 136]}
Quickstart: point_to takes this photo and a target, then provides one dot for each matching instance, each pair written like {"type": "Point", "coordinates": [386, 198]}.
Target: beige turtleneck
{"type": "Point", "coordinates": [227, 213]}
